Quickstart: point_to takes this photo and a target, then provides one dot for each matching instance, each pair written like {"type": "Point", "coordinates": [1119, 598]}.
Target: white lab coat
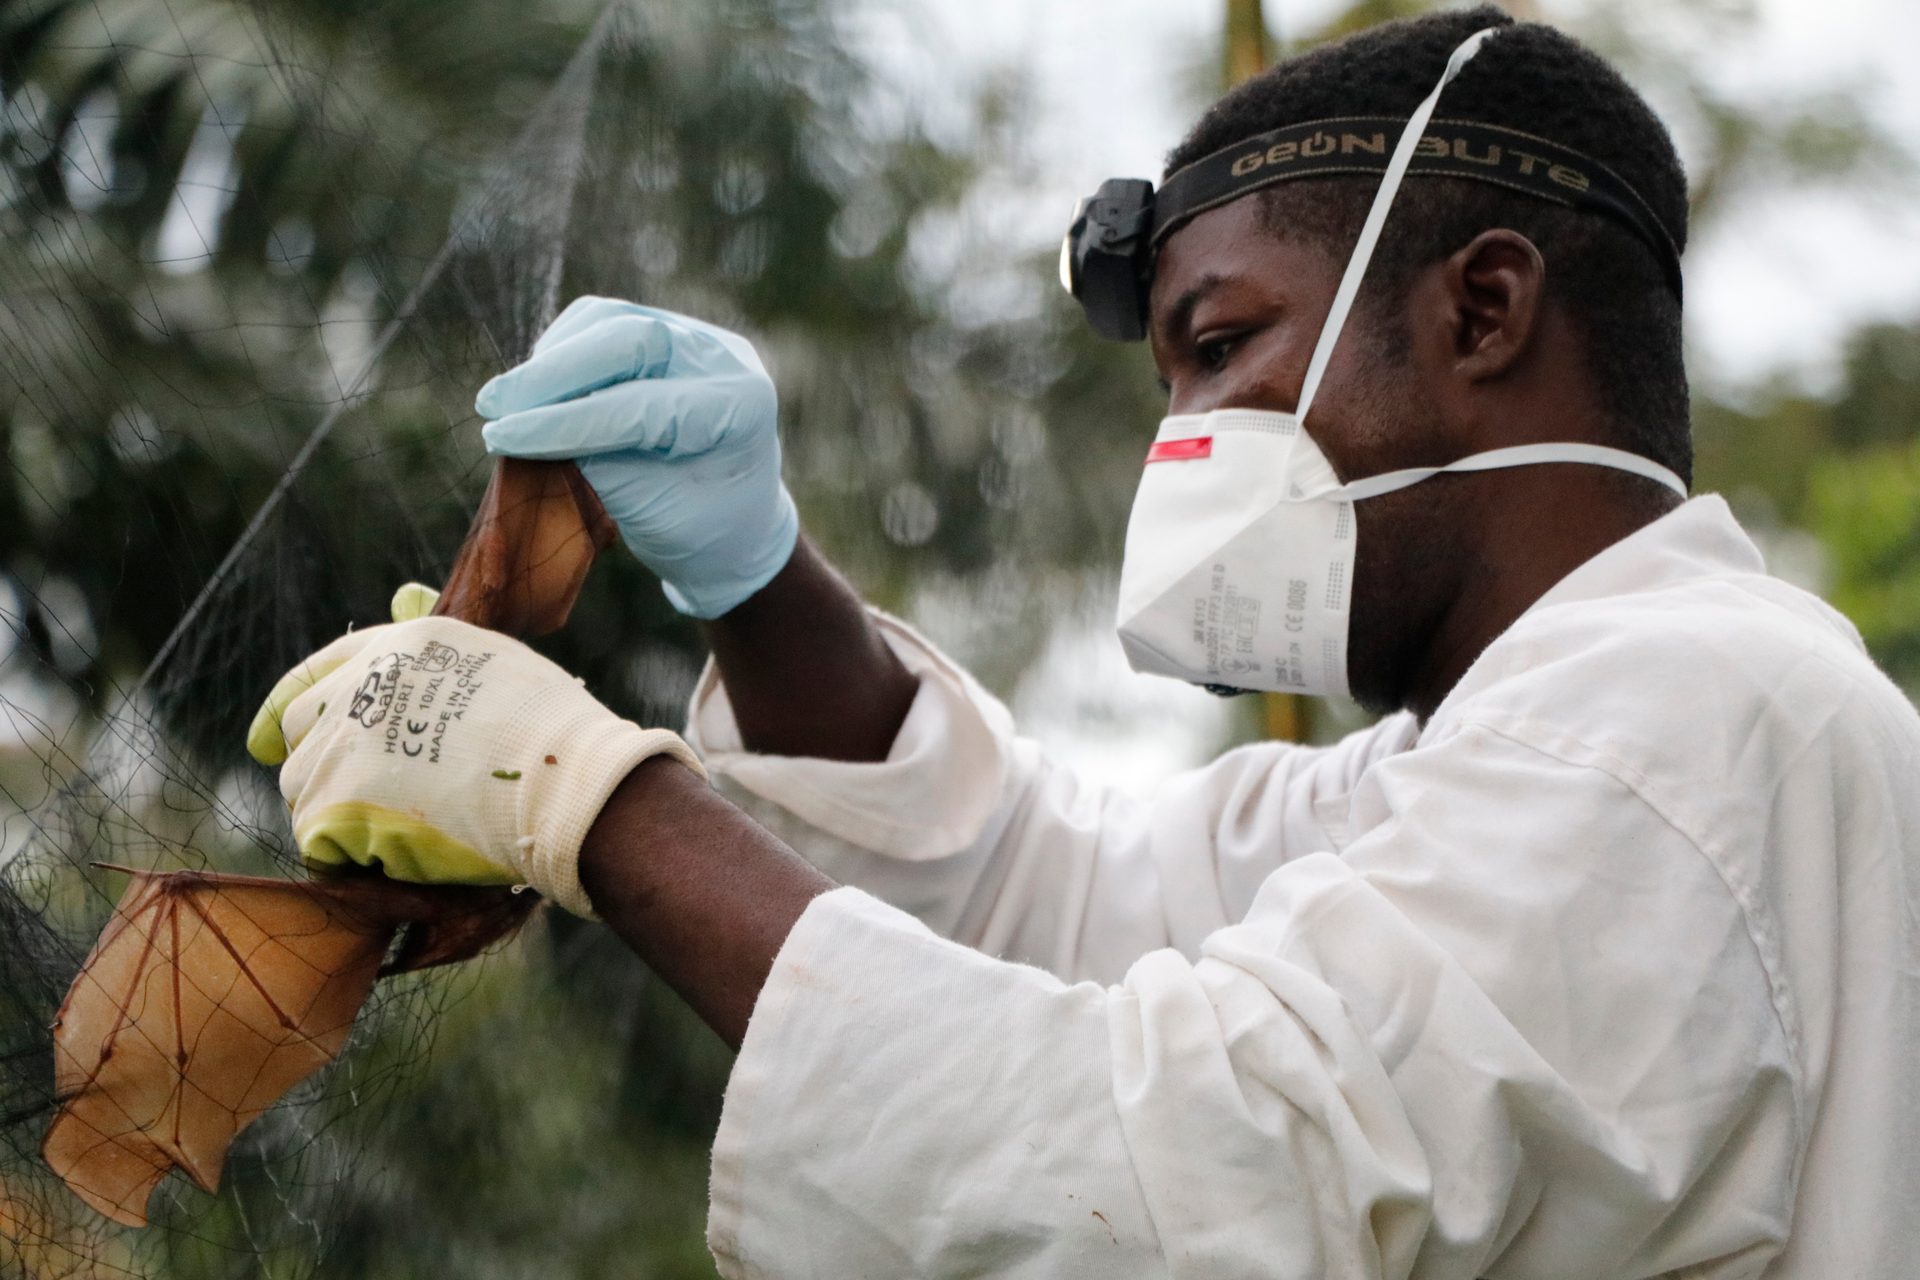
{"type": "Point", "coordinates": [1610, 970]}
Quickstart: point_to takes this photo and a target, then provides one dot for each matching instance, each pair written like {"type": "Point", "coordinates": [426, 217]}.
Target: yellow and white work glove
{"type": "Point", "coordinates": [444, 753]}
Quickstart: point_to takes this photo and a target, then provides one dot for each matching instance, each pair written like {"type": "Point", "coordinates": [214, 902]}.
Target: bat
{"type": "Point", "coordinates": [208, 996]}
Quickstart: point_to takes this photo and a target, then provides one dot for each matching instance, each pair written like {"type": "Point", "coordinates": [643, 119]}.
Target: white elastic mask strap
{"type": "Point", "coordinates": [1522, 455]}
{"type": "Point", "coordinates": [1377, 219]}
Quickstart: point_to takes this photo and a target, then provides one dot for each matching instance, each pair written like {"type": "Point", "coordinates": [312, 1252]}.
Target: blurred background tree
{"type": "Point", "coordinates": [211, 209]}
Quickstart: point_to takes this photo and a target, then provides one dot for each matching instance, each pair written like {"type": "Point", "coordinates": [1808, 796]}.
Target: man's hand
{"type": "Point", "coordinates": [444, 753]}
{"type": "Point", "coordinates": [673, 422]}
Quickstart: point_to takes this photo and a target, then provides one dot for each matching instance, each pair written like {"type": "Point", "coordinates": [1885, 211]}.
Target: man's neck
{"type": "Point", "coordinates": [1540, 527]}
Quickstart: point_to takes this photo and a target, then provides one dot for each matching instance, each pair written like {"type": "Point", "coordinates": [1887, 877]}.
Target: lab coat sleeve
{"type": "Point", "coordinates": [1519, 1030]}
{"type": "Point", "coordinates": [974, 830]}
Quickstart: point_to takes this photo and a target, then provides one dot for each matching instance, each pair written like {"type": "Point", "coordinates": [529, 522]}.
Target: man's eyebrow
{"type": "Point", "coordinates": [1181, 312]}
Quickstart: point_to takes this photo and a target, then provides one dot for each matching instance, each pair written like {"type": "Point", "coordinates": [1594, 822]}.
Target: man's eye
{"type": "Point", "coordinates": [1212, 353]}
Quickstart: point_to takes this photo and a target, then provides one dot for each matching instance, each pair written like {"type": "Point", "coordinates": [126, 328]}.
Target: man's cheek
{"type": "Point", "coordinates": [1267, 372]}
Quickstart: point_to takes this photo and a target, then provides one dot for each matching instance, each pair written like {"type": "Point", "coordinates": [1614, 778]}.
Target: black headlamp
{"type": "Point", "coordinates": [1107, 259]}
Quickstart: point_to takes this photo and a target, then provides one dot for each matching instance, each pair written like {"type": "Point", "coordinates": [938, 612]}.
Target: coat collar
{"type": "Point", "coordinates": [1697, 539]}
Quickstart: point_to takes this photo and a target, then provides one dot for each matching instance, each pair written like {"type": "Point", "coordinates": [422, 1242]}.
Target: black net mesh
{"type": "Point", "coordinates": [233, 429]}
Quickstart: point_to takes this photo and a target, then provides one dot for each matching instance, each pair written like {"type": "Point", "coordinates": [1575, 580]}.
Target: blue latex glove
{"type": "Point", "coordinates": [672, 421]}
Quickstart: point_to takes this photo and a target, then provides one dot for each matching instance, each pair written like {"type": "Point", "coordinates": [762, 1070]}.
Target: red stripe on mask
{"type": "Point", "coordinates": [1181, 450]}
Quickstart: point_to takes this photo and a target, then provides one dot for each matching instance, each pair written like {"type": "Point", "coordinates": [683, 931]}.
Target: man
{"type": "Point", "coordinates": [1595, 957]}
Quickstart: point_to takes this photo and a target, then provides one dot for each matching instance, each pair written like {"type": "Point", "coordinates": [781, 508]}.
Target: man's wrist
{"type": "Point", "coordinates": [701, 892]}
{"type": "Point", "coordinates": [807, 671]}
{"type": "Point", "coordinates": [549, 810]}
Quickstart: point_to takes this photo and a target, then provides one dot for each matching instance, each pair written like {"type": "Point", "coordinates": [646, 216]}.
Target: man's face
{"type": "Point", "coordinates": [1235, 313]}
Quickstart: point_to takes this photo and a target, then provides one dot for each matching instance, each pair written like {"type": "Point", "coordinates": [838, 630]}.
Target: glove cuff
{"type": "Point", "coordinates": [569, 764]}
{"type": "Point", "coordinates": [709, 599]}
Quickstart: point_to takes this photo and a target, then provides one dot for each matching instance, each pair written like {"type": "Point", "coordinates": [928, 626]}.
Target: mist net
{"type": "Point", "coordinates": [248, 287]}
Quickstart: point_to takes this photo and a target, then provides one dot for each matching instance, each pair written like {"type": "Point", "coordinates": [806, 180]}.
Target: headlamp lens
{"type": "Point", "coordinates": [1066, 248]}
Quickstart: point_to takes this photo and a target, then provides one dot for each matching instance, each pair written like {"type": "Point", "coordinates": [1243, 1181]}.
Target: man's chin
{"type": "Point", "coordinates": [1379, 678]}
{"type": "Point", "coordinates": [1375, 700]}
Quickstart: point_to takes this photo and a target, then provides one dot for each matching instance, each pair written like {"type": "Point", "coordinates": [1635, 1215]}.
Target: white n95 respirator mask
{"type": "Point", "coordinates": [1238, 570]}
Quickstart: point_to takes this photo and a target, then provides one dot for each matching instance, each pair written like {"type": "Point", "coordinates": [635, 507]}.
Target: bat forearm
{"type": "Point", "coordinates": [703, 894]}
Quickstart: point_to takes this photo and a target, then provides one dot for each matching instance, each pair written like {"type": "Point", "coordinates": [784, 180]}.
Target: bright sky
{"type": "Point", "coordinates": [1778, 284]}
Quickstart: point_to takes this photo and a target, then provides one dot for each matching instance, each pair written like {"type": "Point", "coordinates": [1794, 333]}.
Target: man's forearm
{"type": "Point", "coordinates": [807, 671]}
{"type": "Point", "coordinates": [703, 894]}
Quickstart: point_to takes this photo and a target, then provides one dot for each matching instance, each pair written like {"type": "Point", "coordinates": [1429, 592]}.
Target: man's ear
{"type": "Point", "coordinates": [1496, 286]}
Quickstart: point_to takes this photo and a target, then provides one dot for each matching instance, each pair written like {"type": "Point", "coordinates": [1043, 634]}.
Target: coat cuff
{"type": "Point", "coordinates": [930, 798]}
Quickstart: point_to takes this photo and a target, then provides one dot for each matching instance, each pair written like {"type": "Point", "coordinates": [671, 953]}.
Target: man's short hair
{"type": "Point", "coordinates": [1531, 78]}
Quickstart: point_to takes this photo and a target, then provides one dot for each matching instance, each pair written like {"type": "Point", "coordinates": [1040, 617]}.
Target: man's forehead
{"type": "Point", "coordinates": [1233, 245]}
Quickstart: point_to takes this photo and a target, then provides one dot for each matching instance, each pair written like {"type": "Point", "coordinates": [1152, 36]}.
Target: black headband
{"type": "Point", "coordinates": [1449, 148]}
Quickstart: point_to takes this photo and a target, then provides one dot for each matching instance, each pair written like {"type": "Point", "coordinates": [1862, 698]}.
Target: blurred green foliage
{"type": "Point", "coordinates": [1856, 486]}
